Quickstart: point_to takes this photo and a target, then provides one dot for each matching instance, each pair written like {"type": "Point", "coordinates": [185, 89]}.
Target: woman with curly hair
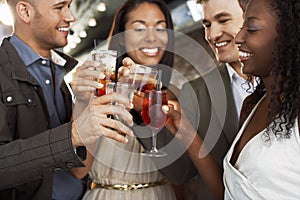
{"type": "Point", "coordinates": [263, 161]}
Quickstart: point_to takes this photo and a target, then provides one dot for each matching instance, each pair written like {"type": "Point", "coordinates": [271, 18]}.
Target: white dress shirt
{"type": "Point", "coordinates": [241, 88]}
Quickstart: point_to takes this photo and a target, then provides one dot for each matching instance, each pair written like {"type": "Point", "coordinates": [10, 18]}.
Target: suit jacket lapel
{"type": "Point", "coordinates": [231, 122]}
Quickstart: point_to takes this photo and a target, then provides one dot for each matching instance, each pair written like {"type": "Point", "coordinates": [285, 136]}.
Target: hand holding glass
{"type": "Point", "coordinates": [142, 77]}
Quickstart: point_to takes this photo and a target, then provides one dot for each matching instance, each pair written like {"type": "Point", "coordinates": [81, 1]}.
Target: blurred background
{"type": "Point", "coordinates": [94, 19]}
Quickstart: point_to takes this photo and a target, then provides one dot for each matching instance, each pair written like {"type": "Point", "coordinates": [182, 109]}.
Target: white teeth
{"type": "Point", "coordinates": [146, 50]}
{"type": "Point", "coordinates": [244, 54]}
{"type": "Point", "coordinates": [221, 44]}
{"type": "Point", "coordinates": [63, 29]}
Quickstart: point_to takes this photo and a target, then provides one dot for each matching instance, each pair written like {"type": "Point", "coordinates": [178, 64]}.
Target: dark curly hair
{"type": "Point", "coordinates": [285, 90]}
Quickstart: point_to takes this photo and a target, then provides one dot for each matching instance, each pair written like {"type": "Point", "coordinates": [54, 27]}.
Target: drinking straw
{"type": "Point", "coordinates": [116, 76]}
{"type": "Point", "coordinates": [159, 75]}
{"type": "Point", "coordinates": [116, 71]}
{"type": "Point", "coordinates": [95, 44]}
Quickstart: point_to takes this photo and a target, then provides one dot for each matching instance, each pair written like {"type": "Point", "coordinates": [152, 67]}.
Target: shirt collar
{"type": "Point", "coordinates": [25, 52]}
{"type": "Point", "coordinates": [29, 56]}
{"type": "Point", "coordinates": [234, 76]}
{"type": "Point", "coordinates": [232, 73]}
{"type": "Point", "coordinates": [57, 59]}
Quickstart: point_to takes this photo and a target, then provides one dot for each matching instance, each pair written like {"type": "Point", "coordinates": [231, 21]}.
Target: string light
{"type": "Point", "coordinates": [101, 7]}
{"type": "Point", "coordinates": [83, 34]}
{"type": "Point", "coordinates": [5, 15]}
{"type": "Point", "coordinates": [92, 22]}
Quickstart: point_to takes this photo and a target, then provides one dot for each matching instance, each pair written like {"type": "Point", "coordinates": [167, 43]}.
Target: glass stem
{"type": "Point", "coordinates": [154, 141]}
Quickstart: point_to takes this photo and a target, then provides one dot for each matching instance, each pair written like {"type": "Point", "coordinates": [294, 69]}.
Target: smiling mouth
{"type": "Point", "coordinates": [243, 55]}
{"type": "Point", "coordinates": [221, 44]}
{"type": "Point", "coordinates": [150, 51]}
{"type": "Point", "coordinates": [63, 29]}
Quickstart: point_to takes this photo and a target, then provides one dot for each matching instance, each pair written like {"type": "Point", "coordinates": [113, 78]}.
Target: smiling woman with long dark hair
{"type": "Point", "coordinates": [143, 31]}
{"type": "Point", "coordinates": [120, 29]}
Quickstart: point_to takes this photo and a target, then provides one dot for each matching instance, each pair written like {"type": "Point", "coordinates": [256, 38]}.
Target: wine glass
{"type": "Point", "coordinates": [154, 117]}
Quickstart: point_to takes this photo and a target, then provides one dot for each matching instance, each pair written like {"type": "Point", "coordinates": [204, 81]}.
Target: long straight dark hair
{"type": "Point", "coordinates": [120, 19]}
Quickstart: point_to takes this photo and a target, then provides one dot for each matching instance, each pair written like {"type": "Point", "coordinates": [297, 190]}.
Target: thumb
{"type": "Point", "coordinates": [127, 62]}
{"type": "Point", "coordinates": [179, 125]}
{"type": "Point", "coordinates": [169, 110]}
{"type": "Point", "coordinates": [125, 69]}
{"type": "Point", "coordinates": [173, 118]}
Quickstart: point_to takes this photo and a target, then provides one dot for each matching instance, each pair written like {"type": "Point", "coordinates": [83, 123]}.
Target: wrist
{"type": "Point", "coordinates": [76, 142]}
{"type": "Point", "coordinates": [194, 146]}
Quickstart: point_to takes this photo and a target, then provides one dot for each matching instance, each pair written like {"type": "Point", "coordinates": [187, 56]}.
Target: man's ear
{"type": "Point", "coordinates": [24, 11]}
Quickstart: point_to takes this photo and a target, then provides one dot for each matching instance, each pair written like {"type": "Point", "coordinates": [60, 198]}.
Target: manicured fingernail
{"type": "Point", "coordinates": [131, 105]}
{"type": "Point", "coordinates": [99, 85]}
{"type": "Point", "coordinates": [126, 140]}
{"type": "Point", "coordinates": [165, 108]}
{"type": "Point", "coordinates": [101, 76]}
{"type": "Point", "coordinates": [131, 132]}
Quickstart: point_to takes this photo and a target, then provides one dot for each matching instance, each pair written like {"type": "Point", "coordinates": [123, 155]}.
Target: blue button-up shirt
{"type": "Point", "coordinates": [65, 186]}
{"type": "Point", "coordinates": [40, 69]}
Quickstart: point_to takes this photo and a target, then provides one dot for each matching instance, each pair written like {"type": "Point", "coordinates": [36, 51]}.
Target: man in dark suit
{"type": "Point", "coordinates": [213, 101]}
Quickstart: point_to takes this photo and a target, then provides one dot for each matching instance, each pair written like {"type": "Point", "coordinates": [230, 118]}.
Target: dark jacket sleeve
{"type": "Point", "coordinates": [25, 160]}
{"type": "Point", "coordinates": [180, 167]}
{"type": "Point", "coordinates": [177, 167]}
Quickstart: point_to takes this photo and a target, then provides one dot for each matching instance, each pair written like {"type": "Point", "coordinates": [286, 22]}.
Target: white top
{"type": "Point", "coordinates": [264, 171]}
{"type": "Point", "coordinates": [240, 88]}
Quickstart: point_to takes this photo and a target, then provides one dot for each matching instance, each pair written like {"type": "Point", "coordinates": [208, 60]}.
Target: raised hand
{"type": "Point", "coordinates": [93, 122]}
{"type": "Point", "coordinates": [84, 80]}
{"type": "Point", "coordinates": [178, 124]}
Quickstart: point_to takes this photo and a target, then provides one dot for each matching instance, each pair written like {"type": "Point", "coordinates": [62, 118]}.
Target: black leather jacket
{"type": "Point", "coordinates": [30, 152]}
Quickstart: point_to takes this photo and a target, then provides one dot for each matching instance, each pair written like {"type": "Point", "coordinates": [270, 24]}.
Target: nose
{"type": "Point", "coordinates": [150, 35]}
{"type": "Point", "coordinates": [69, 16]}
{"type": "Point", "coordinates": [214, 33]}
{"type": "Point", "coordinates": [239, 38]}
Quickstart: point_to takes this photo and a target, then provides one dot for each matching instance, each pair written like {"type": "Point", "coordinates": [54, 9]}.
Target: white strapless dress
{"type": "Point", "coordinates": [264, 171]}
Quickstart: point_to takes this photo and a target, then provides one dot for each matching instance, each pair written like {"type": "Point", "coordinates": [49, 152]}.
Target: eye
{"type": "Point", "coordinates": [223, 21]}
{"type": "Point", "coordinates": [140, 29]}
{"type": "Point", "coordinates": [59, 8]}
{"type": "Point", "coordinates": [161, 29]}
{"type": "Point", "coordinates": [206, 25]}
{"type": "Point", "coordinates": [251, 30]}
